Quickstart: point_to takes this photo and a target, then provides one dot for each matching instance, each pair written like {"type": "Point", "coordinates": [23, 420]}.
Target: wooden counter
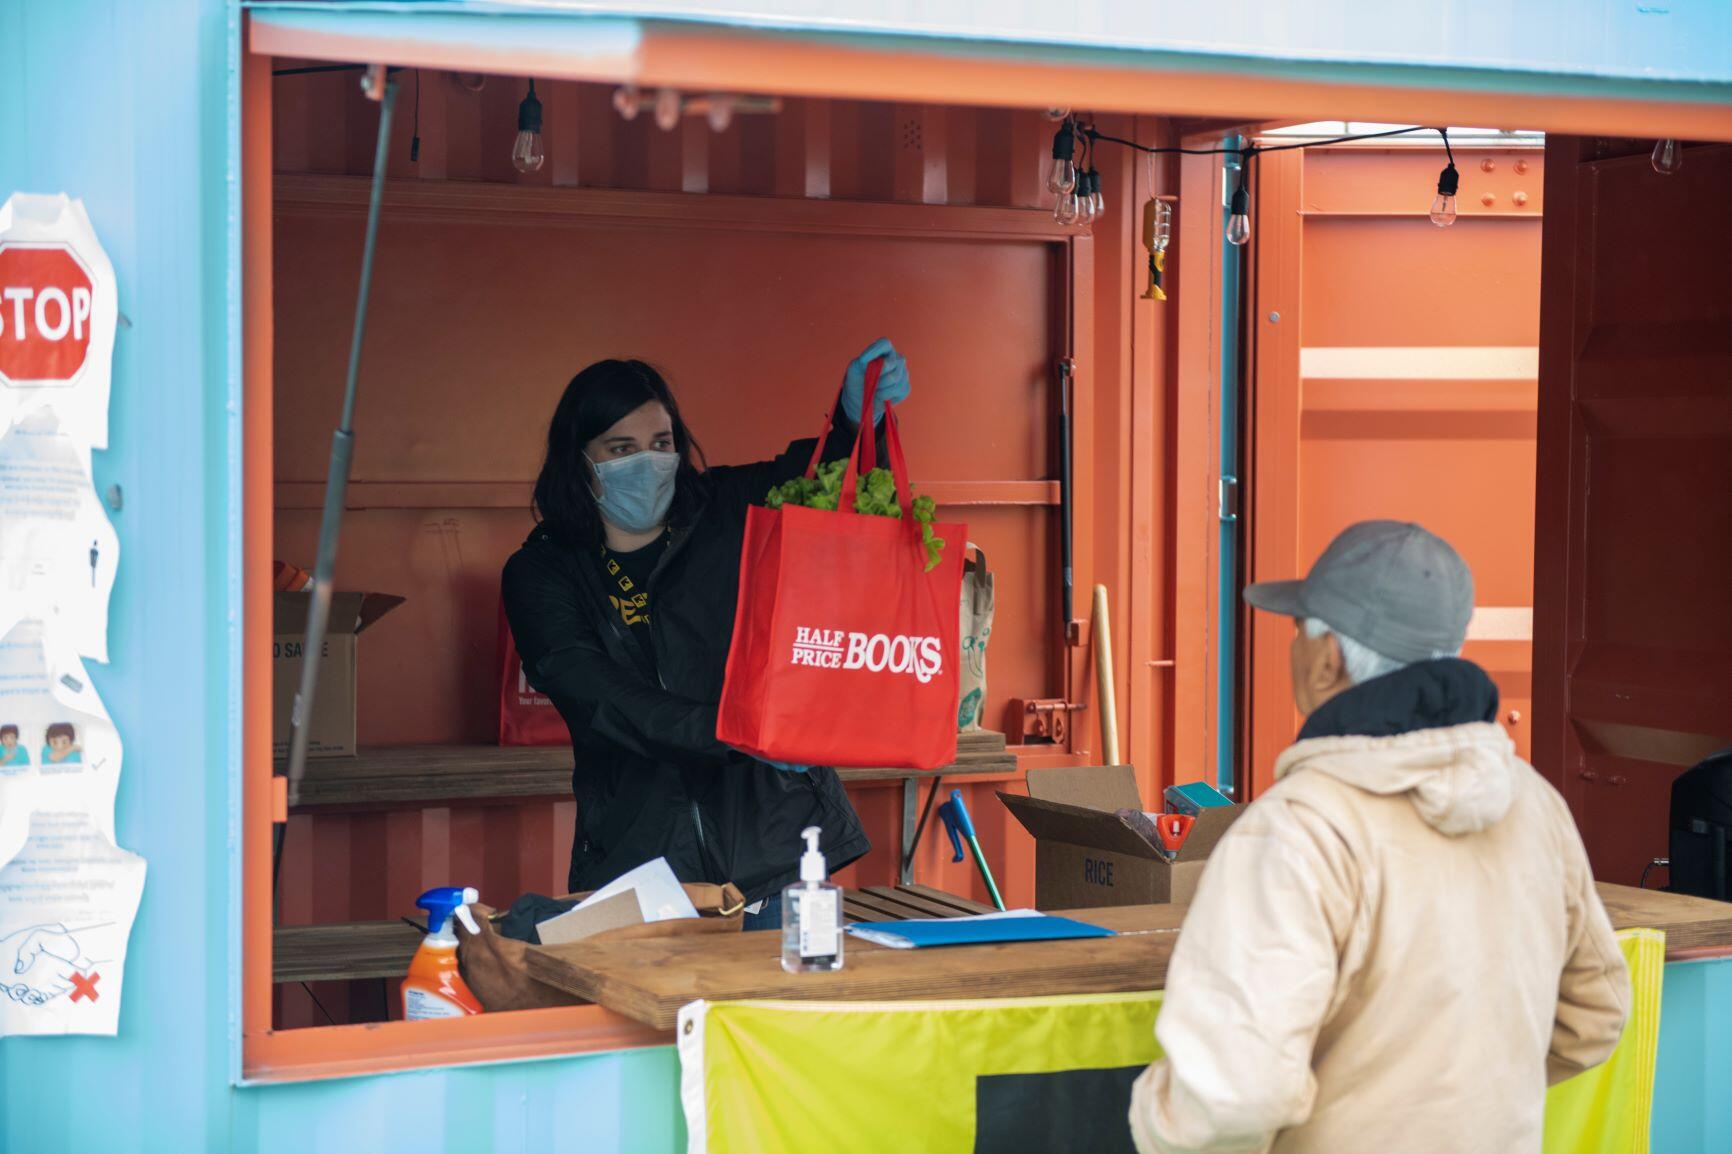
{"type": "Point", "coordinates": [350, 951]}
{"type": "Point", "coordinates": [650, 979]}
{"type": "Point", "coordinates": [382, 949]}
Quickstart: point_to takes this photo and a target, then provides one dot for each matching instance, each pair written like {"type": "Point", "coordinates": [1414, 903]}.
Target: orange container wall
{"type": "Point", "coordinates": [486, 303]}
{"type": "Point", "coordinates": [1399, 380]}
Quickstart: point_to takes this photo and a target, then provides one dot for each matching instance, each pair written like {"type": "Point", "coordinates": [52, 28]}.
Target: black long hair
{"type": "Point", "coordinates": [594, 401]}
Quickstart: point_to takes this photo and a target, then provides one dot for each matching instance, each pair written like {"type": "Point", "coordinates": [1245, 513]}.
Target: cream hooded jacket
{"type": "Point", "coordinates": [1395, 949]}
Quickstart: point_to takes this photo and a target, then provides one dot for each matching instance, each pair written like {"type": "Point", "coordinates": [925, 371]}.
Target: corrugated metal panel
{"type": "Point", "coordinates": [428, 672]}
{"type": "Point", "coordinates": [627, 1102]}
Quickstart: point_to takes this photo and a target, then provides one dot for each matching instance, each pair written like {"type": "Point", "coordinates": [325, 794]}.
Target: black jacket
{"type": "Point", "coordinates": [650, 779]}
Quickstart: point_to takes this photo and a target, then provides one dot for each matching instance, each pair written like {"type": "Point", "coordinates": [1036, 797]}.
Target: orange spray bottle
{"type": "Point", "coordinates": [434, 987]}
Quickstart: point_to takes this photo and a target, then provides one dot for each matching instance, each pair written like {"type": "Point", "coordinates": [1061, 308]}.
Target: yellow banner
{"type": "Point", "coordinates": [992, 1076]}
{"type": "Point", "coordinates": [1609, 1109]}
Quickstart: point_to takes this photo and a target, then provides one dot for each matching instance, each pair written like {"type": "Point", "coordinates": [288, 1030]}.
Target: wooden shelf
{"type": "Point", "coordinates": [374, 494]}
{"type": "Point", "coordinates": [425, 775]}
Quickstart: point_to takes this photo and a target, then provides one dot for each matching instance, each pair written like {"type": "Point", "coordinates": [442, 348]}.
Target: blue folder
{"type": "Point", "coordinates": [919, 933]}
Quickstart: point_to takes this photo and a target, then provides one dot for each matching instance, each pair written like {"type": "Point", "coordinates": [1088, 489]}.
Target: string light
{"type": "Point", "coordinates": [1086, 183]}
{"type": "Point", "coordinates": [527, 153]}
{"type": "Point", "coordinates": [1239, 216]}
{"type": "Point", "coordinates": [1068, 207]}
{"type": "Point", "coordinates": [1239, 212]}
{"type": "Point", "coordinates": [670, 106]}
{"type": "Point", "coordinates": [1443, 208]}
{"type": "Point", "coordinates": [1668, 157]}
{"type": "Point", "coordinates": [669, 109]}
{"type": "Point", "coordinates": [1061, 174]}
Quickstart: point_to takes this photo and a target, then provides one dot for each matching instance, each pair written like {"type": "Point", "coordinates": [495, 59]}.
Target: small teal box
{"type": "Point", "coordinates": [1194, 797]}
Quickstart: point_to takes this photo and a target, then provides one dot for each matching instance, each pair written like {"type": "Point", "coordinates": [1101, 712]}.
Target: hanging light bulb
{"type": "Point", "coordinates": [1061, 177]}
{"type": "Point", "coordinates": [1068, 208]}
{"type": "Point", "coordinates": [1099, 207]}
{"type": "Point", "coordinates": [627, 101]}
{"type": "Point", "coordinates": [668, 109]}
{"type": "Point", "coordinates": [1058, 114]}
{"type": "Point", "coordinates": [1443, 208]}
{"type": "Point", "coordinates": [1239, 223]}
{"type": "Point", "coordinates": [720, 113]}
{"type": "Point", "coordinates": [1085, 199]}
{"type": "Point", "coordinates": [527, 153]}
{"type": "Point", "coordinates": [1668, 157]}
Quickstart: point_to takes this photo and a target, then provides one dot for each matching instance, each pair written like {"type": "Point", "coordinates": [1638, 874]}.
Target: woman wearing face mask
{"type": "Point", "coordinates": [622, 602]}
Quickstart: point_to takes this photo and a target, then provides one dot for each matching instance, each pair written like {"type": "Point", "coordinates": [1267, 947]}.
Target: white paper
{"type": "Point", "coordinates": [67, 904]}
{"type": "Point", "coordinates": [660, 896]}
{"type": "Point", "coordinates": [58, 553]}
{"type": "Point", "coordinates": [58, 749]}
{"type": "Point", "coordinates": [44, 312]}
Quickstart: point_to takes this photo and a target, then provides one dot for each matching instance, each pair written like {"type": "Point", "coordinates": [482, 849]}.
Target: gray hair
{"type": "Point", "coordinates": [1363, 662]}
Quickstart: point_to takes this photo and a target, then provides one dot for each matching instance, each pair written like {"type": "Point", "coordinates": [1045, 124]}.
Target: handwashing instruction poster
{"type": "Point", "coordinates": [68, 892]}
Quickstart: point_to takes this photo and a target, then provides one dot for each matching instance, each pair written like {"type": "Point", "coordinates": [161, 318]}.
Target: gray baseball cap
{"type": "Point", "coordinates": [1389, 585]}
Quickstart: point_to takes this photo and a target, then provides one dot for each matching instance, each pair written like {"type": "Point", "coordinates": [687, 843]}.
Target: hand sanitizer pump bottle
{"type": "Point", "coordinates": [811, 915]}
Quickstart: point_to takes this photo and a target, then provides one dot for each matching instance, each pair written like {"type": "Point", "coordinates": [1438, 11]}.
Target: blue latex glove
{"type": "Point", "coordinates": [784, 766]}
{"type": "Point", "coordinates": [892, 380]}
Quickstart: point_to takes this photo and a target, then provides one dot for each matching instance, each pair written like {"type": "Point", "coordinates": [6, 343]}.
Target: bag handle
{"type": "Point", "coordinates": [872, 371]}
{"type": "Point", "coordinates": [865, 456]}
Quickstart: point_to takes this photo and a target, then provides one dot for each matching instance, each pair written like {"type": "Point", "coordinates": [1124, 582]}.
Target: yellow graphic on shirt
{"type": "Point", "coordinates": [633, 610]}
{"type": "Point", "coordinates": [633, 605]}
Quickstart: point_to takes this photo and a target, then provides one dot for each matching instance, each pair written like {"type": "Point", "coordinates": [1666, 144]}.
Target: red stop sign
{"type": "Point", "coordinates": [45, 306]}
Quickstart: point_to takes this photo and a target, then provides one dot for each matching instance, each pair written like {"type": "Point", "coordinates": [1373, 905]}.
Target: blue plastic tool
{"type": "Point", "coordinates": [960, 827]}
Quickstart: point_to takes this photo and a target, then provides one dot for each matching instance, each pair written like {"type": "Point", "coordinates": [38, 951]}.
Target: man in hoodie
{"type": "Point", "coordinates": [1399, 945]}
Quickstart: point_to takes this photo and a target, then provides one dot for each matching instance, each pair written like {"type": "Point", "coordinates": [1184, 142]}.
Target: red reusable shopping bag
{"type": "Point", "coordinates": [525, 716]}
{"type": "Point", "coordinates": [845, 648]}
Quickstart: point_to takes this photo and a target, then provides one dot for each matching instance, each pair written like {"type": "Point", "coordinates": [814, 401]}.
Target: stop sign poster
{"type": "Point", "coordinates": [68, 891]}
{"type": "Point", "coordinates": [57, 315]}
{"type": "Point", "coordinates": [58, 551]}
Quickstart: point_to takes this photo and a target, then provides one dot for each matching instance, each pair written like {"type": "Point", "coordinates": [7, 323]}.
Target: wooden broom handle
{"type": "Point", "coordinates": [1104, 679]}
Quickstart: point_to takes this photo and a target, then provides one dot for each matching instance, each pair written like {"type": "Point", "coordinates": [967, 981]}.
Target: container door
{"type": "Point", "coordinates": [1633, 543]}
{"type": "Point", "coordinates": [1394, 377]}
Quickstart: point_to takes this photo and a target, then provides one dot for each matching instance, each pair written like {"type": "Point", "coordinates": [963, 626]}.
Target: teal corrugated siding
{"type": "Point", "coordinates": [627, 1102]}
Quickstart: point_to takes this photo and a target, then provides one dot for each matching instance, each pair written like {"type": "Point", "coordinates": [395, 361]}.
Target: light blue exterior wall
{"type": "Point", "coordinates": [1692, 1109]}
{"type": "Point", "coordinates": [128, 105]}
{"type": "Point", "coordinates": [626, 1103]}
{"type": "Point", "coordinates": [125, 105]}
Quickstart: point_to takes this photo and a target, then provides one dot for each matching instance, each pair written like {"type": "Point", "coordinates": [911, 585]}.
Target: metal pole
{"type": "Point", "coordinates": [1066, 369]}
{"type": "Point", "coordinates": [337, 477]}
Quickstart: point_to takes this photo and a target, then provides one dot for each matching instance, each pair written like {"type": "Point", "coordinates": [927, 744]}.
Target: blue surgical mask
{"type": "Point", "coordinates": [636, 490]}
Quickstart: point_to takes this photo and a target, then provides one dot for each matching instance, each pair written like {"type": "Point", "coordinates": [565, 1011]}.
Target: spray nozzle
{"type": "Point", "coordinates": [812, 861]}
{"type": "Point", "coordinates": [442, 903]}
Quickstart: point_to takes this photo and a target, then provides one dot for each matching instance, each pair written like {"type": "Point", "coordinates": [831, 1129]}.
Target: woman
{"type": "Point", "coordinates": [622, 606]}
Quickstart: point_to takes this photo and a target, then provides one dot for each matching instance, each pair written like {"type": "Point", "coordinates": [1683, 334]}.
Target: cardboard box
{"type": "Point", "coordinates": [1085, 856]}
{"type": "Point", "coordinates": [331, 732]}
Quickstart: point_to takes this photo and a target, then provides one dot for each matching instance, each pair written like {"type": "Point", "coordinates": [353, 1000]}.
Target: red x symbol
{"type": "Point", "coordinates": [85, 987]}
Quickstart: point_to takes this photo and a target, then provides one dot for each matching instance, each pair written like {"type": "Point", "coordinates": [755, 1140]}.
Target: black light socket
{"type": "Point", "coordinates": [529, 112]}
{"type": "Point", "coordinates": [1241, 202]}
{"type": "Point", "coordinates": [1448, 180]}
{"type": "Point", "coordinates": [1064, 142]}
